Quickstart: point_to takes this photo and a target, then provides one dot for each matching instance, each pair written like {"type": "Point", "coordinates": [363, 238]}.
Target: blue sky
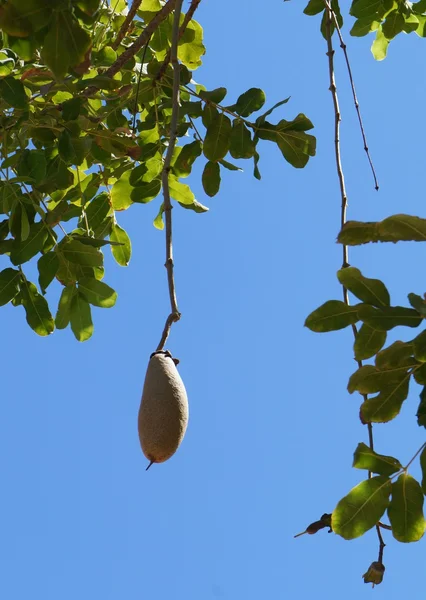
{"type": "Point", "coordinates": [272, 429]}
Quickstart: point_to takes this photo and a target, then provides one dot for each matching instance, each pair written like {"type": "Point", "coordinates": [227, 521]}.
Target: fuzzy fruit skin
{"type": "Point", "coordinates": [163, 413]}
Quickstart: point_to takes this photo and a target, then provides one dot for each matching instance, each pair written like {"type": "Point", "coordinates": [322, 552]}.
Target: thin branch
{"type": "Point", "coordinates": [126, 25]}
{"type": "Point", "coordinates": [381, 544]}
{"type": "Point", "coordinates": [135, 109]}
{"type": "Point", "coordinates": [354, 94]}
{"type": "Point", "coordinates": [174, 312]}
{"type": "Point", "coordinates": [422, 447]}
{"type": "Point", "coordinates": [344, 205]}
{"type": "Point", "coordinates": [187, 18]}
{"type": "Point", "coordinates": [137, 44]}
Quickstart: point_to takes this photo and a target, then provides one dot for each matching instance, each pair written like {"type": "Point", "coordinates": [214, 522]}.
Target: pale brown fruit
{"type": "Point", "coordinates": [163, 413]}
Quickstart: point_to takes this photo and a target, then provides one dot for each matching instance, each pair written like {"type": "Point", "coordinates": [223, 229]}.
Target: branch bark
{"type": "Point", "coordinates": [137, 44]}
{"type": "Point", "coordinates": [188, 16]}
{"type": "Point", "coordinates": [125, 27]}
{"type": "Point", "coordinates": [174, 311]}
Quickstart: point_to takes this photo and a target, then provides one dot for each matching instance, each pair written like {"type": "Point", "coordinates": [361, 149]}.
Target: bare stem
{"type": "Point", "coordinates": [174, 312]}
{"type": "Point", "coordinates": [381, 544]}
{"type": "Point", "coordinates": [333, 15]}
{"type": "Point", "coordinates": [126, 25]}
{"type": "Point", "coordinates": [188, 16]}
{"type": "Point", "coordinates": [344, 201]}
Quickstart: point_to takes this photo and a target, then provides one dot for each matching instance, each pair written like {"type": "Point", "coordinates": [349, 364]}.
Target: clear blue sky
{"type": "Point", "coordinates": [272, 429]}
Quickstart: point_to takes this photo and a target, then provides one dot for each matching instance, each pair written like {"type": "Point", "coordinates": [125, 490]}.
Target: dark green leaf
{"type": "Point", "coordinates": [82, 254]}
{"type": "Point", "coordinates": [48, 266]}
{"type": "Point", "coordinates": [24, 250]}
{"type": "Point", "coordinates": [331, 316]}
{"type": "Point", "coordinates": [393, 24]}
{"type": "Point", "coordinates": [123, 251]}
{"type": "Point", "coordinates": [189, 153]}
{"type": "Point", "coordinates": [211, 178]}
{"type": "Point", "coordinates": [229, 165]}
{"type": "Point", "coordinates": [216, 96]}
{"type": "Point", "coordinates": [368, 342]}
{"type": "Point", "coordinates": [217, 140]}
{"type": "Point", "coordinates": [81, 318]}
{"type": "Point", "coordinates": [36, 310]}
{"type": "Point", "coordinates": [405, 509]}
{"type": "Point", "coordinates": [65, 44]}
{"type": "Point", "coordinates": [314, 7]}
{"type": "Point", "coordinates": [384, 319]}
{"type": "Point", "coordinates": [296, 145]}
{"type": "Point", "coordinates": [398, 354]}
{"type": "Point", "coordinates": [9, 280]}
{"type": "Point", "coordinates": [368, 379]}
{"type": "Point", "coordinates": [362, 508]}
{"type": "Point", "coordinates": [365, 458]}
{"type": "Point", "coordinates": [13, 92]}
{"type": "Point", "coordinates": [146, 191]}
{"type": "Point", "coordinates": [97, 293]}
{"type": "Point", "coordinates": [418, 303]}
{"type": "Point", "coordinates": [242, 146]}
{"type": "Point", "coordinates": [64, 307]}
{"type": "Point", "coordinates": [371, 291]}
{"type": "Point", "coordinates": [387, 405]}
{"type": "Point", "coordinates": [421, 411]}
{"type": "Point", "coordinates": [250, 102]}
{"type": "Point", "coordinates": [423, 467]}
{"type": "Point", "coordinates": [419, 346]}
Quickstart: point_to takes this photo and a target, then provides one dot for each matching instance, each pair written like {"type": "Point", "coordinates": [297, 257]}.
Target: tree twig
{"type": "Point", "coordinates": [381, 544]}
{"type": "Point", "coordinates": [187, 18]}
{"type": "Point", "coordinates": [125, 27]}
{"type": "Point", "coordinates": [354, 94]}
{"type": "Point", "coordinates": [344, 203]}
{"type": "Point", "coordinates": [174, 311]}
{"type": "Point", "coordinates": [137, 44]}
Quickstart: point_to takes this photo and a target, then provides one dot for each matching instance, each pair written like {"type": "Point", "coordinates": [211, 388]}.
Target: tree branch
{"type": "Point", "coordinates": [188, 16]}
{"type": "Point", "coordinates": [344, 204]}
{"type": "Point", "coordinates": [125, 27]}
{"type": "Point", "coordinates": [174, 314]}
{"type": "Point", "coordinates": [354, 95]}
{"type": "Point", "coordinates": [137, 44]}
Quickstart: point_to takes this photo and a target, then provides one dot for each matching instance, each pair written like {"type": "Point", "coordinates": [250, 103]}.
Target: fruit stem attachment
{"type": "Point", "coordinates": [174, 312]}
{"type": "Point", "coordinates": [150, 465]}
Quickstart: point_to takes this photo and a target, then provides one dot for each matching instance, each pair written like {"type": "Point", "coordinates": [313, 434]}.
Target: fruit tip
{"type": "Point", "coordinates": [150, 464]}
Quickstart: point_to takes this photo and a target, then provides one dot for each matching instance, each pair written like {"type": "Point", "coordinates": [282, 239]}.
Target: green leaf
{"type": "Point", "coordinates": [97, 211]}
{"type": "Point", "coordinates": [418, 303]}
{"type": "Point", "coordinates": [82, 254]}
{"type": "Point", "coordinates": [355, 233]}
{"type": "Point", "coordinates": [48, 266]}
{"type": "Point", "coordinates": [144, 192]}
{"type": "Point", "coordinates": [250, 102]}
{"type": "Point", "coordinates": [216, 96]}
{"type": "Point", "coordinates": [36, 310]}
{"type": "Point", "coordinates": [217, 140]}
{"type": "Point", "coordinates": [368, 379]}
{"type": "Point", "coordinates": [362, 508]}
{"type": "Point", "coordinates": [122, 252]}
{"type": "Point", "coordinates": [423, 467]}
{"type": "Point", "coordinates": [241, 146]}
{"type": "Point", "coordinates": [97, 293]}
{"type": "Point", "coordinates": [195, 206]}
{"type": "Point", "coordinates": [405, 509]}
{"type": "Point", "coordinates": [368, 342]}
{"type": "Point", "coordinates": [63, 314]}
{"type": "Point", "coordinates": [9, 280]}
{"type": "Point", "coordinates": [393, 24]}
{"type": "Point", "coordinates": [65, 44]}
{"type": "Point", "coordinates": [296, 146]}
{"type": "Point", "coordinates": [398, 354]}
{"type": "Point", "coordinates": [180, 191]}
{"type": "Point", "coordinates": [211, 178]}
{"type": "Point", "coordinates": [385, 319]}
{"type": "Point", "coordinates": [229, 165]}
{"type": "Point", "coordinates": [121, 191]}
{"type": "Point", "coordinates": [419, 346]}
{"type": "Point", "coordinates": [387, 405]}
{"type": "Point", "coordinates": [314, 7]}
{"type": "Point", "coordinates": [364, 26]}
{"type": "Point", "coordinates": [189, 153]}
{"type": "Point", "coordinates": [331, 316]}
{"type": "Point", "coordinates": [24, 250]}
{"type": "Point", "coordinates": [371, 291]}
{"type": "Point", "coordinates": [366, 8]}
{"type": "Point", "coordinates": [81, 318]}
{"type": "Point", "coordinates": [13, 92]}
{"type": "Point", "coordinates": [365, 458]}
